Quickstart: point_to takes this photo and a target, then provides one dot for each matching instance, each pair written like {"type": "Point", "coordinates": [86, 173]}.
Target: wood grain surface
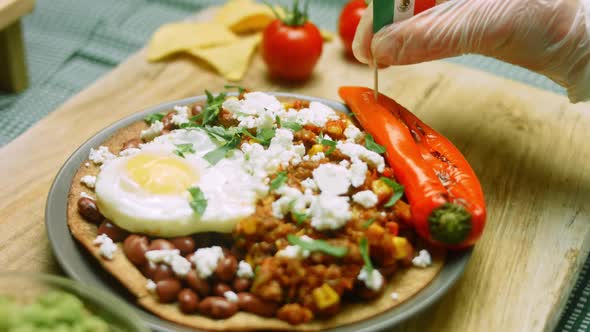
{"type": "Point", "coordinates": [13, 10]}
{"type": "Point", "coordinates": [529, 147]}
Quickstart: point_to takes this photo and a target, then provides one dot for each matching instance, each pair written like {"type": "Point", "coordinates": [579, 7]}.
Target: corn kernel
{"type": "Point", "coordinates": [375, 232]}
{"type": "Point", "coordinates": [381, 189]}
{"type": "Point", "coordinates": [316, 148]}
{"type": "Point", "coordinates": [402, 247]}
{"type": "Point", "coordinates": [248, 225]}
{"type": "Point", "coordinates": [325, 296]}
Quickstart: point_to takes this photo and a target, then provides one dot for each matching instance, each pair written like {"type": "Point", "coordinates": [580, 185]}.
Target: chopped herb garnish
{"type": "Point", "coordinates": [278, 121]}
{"type": "Point", "coordinates": [213, 157]}
{"type": "Point", "coordinates": [292, 125]}
{"type": "Point", "coordinates": [263, 137]}
{"type": "Point", "coordinates": [278, 181]}
{"type": "Point", "coordinates": [151, 118]}
{"type": "Point", "coordinates": [398, 191]}
{"type": "Point", "coordinates": [368, 223]}
{"type": "Point", "coordinates": [181, 149]}
{"type": "Point", "coordinates": [299, 217]}
{"type": "Point", "coordinates": [318, 245]}
{"type": "Point", "coordinates": [326, 142]}
{"type": "Point", "coordinates": [212, 109]}
{"type": "Point", "coordinates": [198, 202]}
{"type": "Point", "coordinates": [239, 88]}
{"type": "Point", "coordinates": [372, 145]}
{"type": "Point", "coordinates": [364, 249]}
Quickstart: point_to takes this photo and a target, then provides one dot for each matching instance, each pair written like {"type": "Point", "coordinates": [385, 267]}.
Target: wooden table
{"type": "Point", "coordinates": [13, 67]}
{"type": "Point", "coordinates": [529, 147]}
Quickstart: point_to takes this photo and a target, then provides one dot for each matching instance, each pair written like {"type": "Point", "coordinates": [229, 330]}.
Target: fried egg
{"type": "Point", "coordinates": [146, 190]}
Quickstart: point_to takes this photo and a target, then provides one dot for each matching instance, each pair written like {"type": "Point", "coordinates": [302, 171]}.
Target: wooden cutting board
{"type": "Point", "coordinates": [529, 147]}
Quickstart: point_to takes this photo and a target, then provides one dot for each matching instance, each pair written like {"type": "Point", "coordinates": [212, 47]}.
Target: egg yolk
{"type": "Point", "coordinates": [161, 174]}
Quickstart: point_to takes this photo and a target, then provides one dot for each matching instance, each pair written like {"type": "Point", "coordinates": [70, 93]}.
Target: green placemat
{"type": "Point", "coordinates": [71, 43]}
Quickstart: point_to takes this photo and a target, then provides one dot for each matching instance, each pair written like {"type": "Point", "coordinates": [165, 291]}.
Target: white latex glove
{"type": "Point", "coordinates": [551, 37]}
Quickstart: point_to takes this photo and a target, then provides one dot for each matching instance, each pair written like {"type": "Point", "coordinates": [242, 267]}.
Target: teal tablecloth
{"type": "Point", "coordinates": [71, 43]}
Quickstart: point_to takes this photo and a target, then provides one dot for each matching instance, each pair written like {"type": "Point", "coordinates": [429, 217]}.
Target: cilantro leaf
{"type": "Point", "coordinates": [326, 142]}
{"type": "Point", "coordinates": [213, 157]}
{"type": "Point", "coordinates": [292, 125]}
{"type": "Point", "coordinates": [368, 223]}
{"type": "Point", "coordinates": [239, 88]}
{"type": "Point", "coordinates": [364, 249]}
{"type": "Point", "coordinates": [278, 181]}
{"type": "Point", "coordinates": [318, 245]}
{"type": "Point", "coordinates": [398, 191]}
{"type": "Point", "coordinates": [181, 149]}
{"type": "Point", "coordinates": [372, 145]}
{"type": "Point", "coordinates": [198, 202]}
{"type": "Point", "coordinates": [278, 121]}
{"type": "Point", "coordinates": [151, 118]}
{"type": "Point", "coordinates": [265, 136]}
{"type": "Point", "coordinates": [212, 109]}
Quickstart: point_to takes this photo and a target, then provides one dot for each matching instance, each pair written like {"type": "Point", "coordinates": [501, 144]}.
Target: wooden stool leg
{"type": "Point", "coordinates": [13, 67]}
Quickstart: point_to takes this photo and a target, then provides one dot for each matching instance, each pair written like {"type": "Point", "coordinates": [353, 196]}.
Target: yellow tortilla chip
{"type": "Point", "coordinates": [327, 35]}
{"type": "Point", "coordinates": [245, 15]}
{"type": "Point", "coordinates": [230, 60]}
{"type": "Point", "coordinates": [176, 37]}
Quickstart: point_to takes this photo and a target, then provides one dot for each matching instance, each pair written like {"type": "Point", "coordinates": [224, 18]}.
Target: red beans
{"type": "Point", "coordinates": [161, 244]}
{"type": "Point", "coordinates": [251, 303]}
{"type": "Point", "coordinates": [241, 284]}
{"type": "Point", "coordinates": [226, 268]}
{"type": "Point", "coordinates": [162, 272]}
{"type": "Point", "coordinates": [167, 121]}
{"type": "Point", "coordinates": [135, 247]}
{"type": "Point", "coordinates": [185, 244]}
{"type": "Point", "coordinates": [220, 288]}
{"type": "Point", "coordinates": [196, 109]}
{"type": "Point", "coordinates": [132, 143]}
{"type": "Point", "coordinates": [88, 209]}
{"type": "Point", "coordinates": [294, 314]}
{"type": "Point", "coordinates": [116, 233]}
{"type": "Point", "coordinates": [217, 307]}
{"type": "Point", "coordinates": [168, 290]}
{"type": "Point", "coordinates": [201, 286]}
{"type": "Point", "coordinates": [149, 269]}
{"type": "Point", "coordinates": [188, 301]}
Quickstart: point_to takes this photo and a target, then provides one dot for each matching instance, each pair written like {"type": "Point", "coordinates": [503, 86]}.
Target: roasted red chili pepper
{"type": "Point", "coordinates": [445, 196]}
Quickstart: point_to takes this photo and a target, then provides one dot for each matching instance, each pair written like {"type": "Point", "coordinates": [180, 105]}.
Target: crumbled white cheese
{"type": "Point", "coordinates": [231, 296]}
{"type": "Point", "coordinates": [206, 260]}
{"type": "Point", "coordinates": [100, 155]}
{"type": "Point", "coordinates": [293, 251]}
{"type": "Point", "coordinates": [316, 115]}
{"type": "Point", "coordinates": [373, 280]}
{"type": "Point", "coordinates": [256, 110]}
{"type": "Point", "coordinates": [352, 133]}
{"type": "Point", "coordinates": [107, 246]}
{"type": "Point", "coordinates": [344, 163]}
{"type": "Point", "coordinates": [151, 286]}
{"type": "Point", "coordinates": [89, 181]}
{"type": "Point", "coordinates": [394, 296]}
{"type": "Point", "coordinates": [180, 265]}
{"type": "Point", "coordinates": [329, 212]}
{"type": "Point", "coordinates": [244, 270]}
{"type": "Point", "coordinates": [291, 200]}
{"type": "Point", "coordinates": [154, 130]}
{"type": "Point", "coordinates": [317, 157]}
{"type": "Point", "coordinates": [182, 115]}
{"type": "Point", "coordinates": [129, 152]}
{"type": "Point", "coordinates": [357, 151]}
{"type": "Point", "coordinates": [423, 259]}
{"type": "Point", "coordinates": [358, 172]}
{"type": "Point", "coordinates": [365, 198]}
{"type": "Point", "coordinates": [332, 179]}
{"type": "Point", "coordinates": [310, 184]}
{"type": "Point", "coordinates": [85, 194]}
{"type": "Point", "coordinates": [87, 164]}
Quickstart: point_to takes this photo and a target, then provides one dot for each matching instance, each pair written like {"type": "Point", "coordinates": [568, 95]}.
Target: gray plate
{"type": "Point", "coordinates": [79, 265]}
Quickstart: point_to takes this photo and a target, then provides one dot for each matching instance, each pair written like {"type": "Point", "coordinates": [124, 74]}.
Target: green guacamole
{"type": "Point", "coordinates": [54, 311]}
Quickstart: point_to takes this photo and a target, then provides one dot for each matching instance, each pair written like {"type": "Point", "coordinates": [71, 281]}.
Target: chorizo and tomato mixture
{"type": "Point", "coordinates": [280, 209]}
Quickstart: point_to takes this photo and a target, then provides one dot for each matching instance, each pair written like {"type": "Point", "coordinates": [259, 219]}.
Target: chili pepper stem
{"type": "Point", "coordinates": [450, 223]}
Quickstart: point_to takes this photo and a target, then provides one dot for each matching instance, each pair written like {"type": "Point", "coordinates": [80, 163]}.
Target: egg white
{"type": "Point", "coordinates": [231, 193]}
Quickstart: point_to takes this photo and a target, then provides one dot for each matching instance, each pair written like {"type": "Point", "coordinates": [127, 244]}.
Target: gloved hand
{"type": "Point", "coordinates": [551, 37]}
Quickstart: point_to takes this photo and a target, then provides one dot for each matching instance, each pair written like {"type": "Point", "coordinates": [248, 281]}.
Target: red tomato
{"type": "Point", "coordinates": [349, 20]}
{"type": "Point", "coordinates": [291, 51]}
